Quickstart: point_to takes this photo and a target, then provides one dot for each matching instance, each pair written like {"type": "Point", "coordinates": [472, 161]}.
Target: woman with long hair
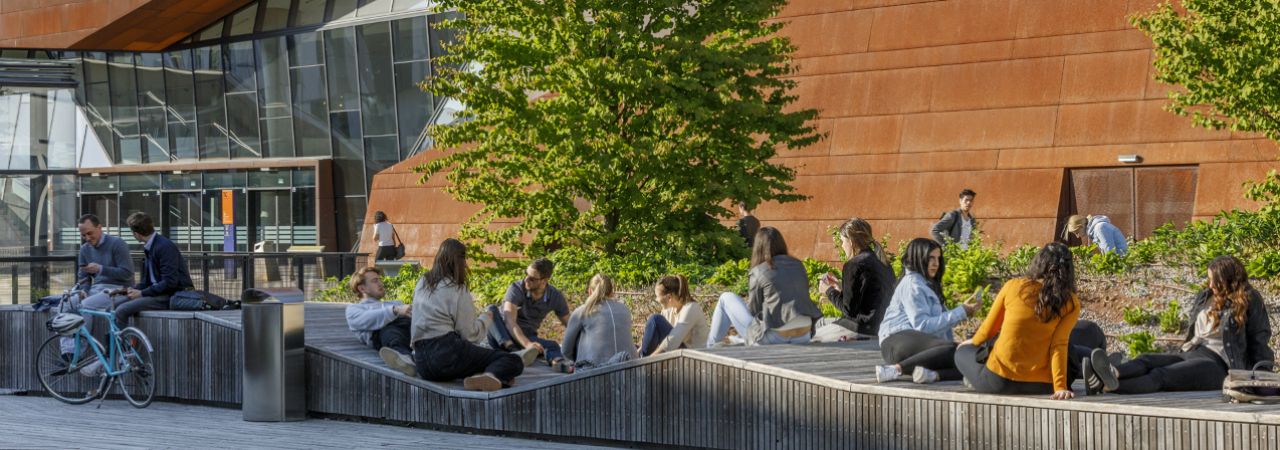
{"type": "Point", "coordinates": [778, 309]}
{"type": "Point", "coordinates": [1231, 329]}
{"type": "Point", "coordinates": [863, 290]}
{"type": "Point", "coordinates": [915, 335]}
{"type": "Point", "coordinates": [681, 324]}
{"type": "Point", "coordinates": [599, 331]}
{"type": "Point", "coordinates": [446, 328]}
{"type": "Point", "coordinates": [1031, 321]}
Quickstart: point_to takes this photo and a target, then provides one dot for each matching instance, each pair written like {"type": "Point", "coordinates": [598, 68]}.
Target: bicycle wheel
{"type": "Point", "coordinates": [61, 377]}
{"type": "Point", "coordinates": [138, 382]}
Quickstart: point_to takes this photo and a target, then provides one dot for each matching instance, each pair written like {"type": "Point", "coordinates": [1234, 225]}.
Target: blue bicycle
{"type": "Point", "coordinates": [87, 371]}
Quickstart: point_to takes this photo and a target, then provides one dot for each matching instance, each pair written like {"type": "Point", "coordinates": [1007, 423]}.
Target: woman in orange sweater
{"type": "Point", "coordinates": [1031, 322]}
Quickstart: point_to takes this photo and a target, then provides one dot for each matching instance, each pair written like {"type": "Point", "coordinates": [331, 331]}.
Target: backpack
{"type": "Point", "coordinates": [194, 300]}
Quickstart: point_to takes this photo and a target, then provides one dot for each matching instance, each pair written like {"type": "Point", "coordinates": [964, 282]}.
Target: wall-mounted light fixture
{"type": "Point", "coordinates": [1129, 159]}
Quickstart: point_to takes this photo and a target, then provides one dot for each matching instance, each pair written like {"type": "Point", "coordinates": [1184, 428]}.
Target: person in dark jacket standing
{"type": "Point", "coordinates": [959, 224]}
{"type": "Point", "coordinates": [777, 309]}
{"type": "Point", "coordinates": [865, 287]}
{"type": "Point", "coordinates": [1230, 329]}
{"type": "Point", "coordinates": [748, 225]}
{"type": "Point", "coordinates": [163, 271]}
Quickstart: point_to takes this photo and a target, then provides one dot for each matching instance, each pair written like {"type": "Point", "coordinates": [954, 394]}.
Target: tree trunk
{"type": "Point", "coordinates": [610, 228]}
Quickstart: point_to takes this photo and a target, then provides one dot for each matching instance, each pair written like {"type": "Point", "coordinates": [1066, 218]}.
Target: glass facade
{"type": "Point", "coordinates": [267, 81]}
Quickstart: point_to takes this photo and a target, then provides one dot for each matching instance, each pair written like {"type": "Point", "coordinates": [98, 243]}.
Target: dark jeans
{"type": "Point", "coordinates": [450, 357]}
{"type": "Point", "coordinates": [1085, 337]}
{"type": "Point", "coordinates": [655, 330]}
{"type": "Point", "coordinates": [132, 307]}
{"type": "Point", "coordinates": [911, 348]}
{"type": "Point", "coordinates": [394, 335]}
{"type": "Point", "coordinates": [1197, 370]}
{"type": "Point", "coordinates": [498, 333]}
{"type": "Point", "coordinates": [386, 252]}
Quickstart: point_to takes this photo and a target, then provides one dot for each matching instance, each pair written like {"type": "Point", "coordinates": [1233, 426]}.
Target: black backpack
{"type": "Point", "coordinates": [194, 300]}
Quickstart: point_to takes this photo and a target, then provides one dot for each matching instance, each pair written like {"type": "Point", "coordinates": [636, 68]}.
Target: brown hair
{"type": "Point", "coordinates": [450, 264]}
{"type": "Point", "coordinates": [601, 288]}
{"type": "Point", "coordinates": [1231, 285]}
{"type": "Point", "coordinates": [769, 243]}
{"type": "Point", "coordinates": [141, 223]}
{"type": "Point", "coordinates": [357, 279]}
{"type": "Point", "coordinates": [677, 285]}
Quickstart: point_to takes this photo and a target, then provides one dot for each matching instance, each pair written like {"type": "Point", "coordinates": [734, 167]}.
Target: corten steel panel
{"type": "Point", "coordinates": [1164, 195]}
{"type": "Point", "coordinates": [1106, 192]}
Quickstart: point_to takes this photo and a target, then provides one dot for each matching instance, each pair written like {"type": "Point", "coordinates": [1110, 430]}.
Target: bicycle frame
{"type": "Point", "coordinates": [108, 363]}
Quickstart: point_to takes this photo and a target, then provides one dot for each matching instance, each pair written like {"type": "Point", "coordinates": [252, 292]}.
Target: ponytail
{"type": "Point", "coordinates": [678, 286]}
{"type": "Point", "coordinates": [601, 289]}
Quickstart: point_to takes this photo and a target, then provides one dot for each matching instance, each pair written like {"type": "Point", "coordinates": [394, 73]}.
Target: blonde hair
{"type": "Point", "coordinates": [1075, 223]}
{"type": "Point", "coordinates": [858, 232]}
{"type": "Point", "coordinates": [357, 279]}
{"type": "Point", "coordinates": [601, 289]}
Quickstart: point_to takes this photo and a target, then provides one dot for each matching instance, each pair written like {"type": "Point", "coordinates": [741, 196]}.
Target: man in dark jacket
{"type": "Point", "coordinates": [957, 225]}
{"type": "Point", "coordinates": [748, 225]}
{"type": "Point", "coordinates": [164, 272]}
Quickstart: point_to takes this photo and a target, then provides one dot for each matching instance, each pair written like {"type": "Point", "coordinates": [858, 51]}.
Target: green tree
{"type": "Point", "coordinates": [620, 126]}
{"type": "Point", "coordinates": [1225, 56]}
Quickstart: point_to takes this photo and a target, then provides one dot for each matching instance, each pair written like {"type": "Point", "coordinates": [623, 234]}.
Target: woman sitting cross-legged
{"type": "Point", "coordinates": [778, 309]}
{"type": "Point", "coordinates": [446, 328]}
{"type": "Point", "coordinates": [915, 336]}
{"type": "Point", "coordinates": [599, 331]}
{"type": "Point", "coordinates": [1031, 322]}
{"type": "Point", "coordinates": [1231, 329]}
{"type": "Point", "coordinates": [681, 324]}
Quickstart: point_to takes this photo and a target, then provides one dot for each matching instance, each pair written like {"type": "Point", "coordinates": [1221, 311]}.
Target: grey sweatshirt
{"type": "Point", "coordinates": [600, 338]}
{"type": "Point", "coordinates": [370, 315]}
{"type": "Point", "coordinates": [113, 255]}
{"type": "Point", "coordinates": [447, 308]}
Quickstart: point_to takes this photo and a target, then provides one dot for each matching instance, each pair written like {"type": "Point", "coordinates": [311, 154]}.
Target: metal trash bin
{"type": "Point", "coordinates": [275, 363]}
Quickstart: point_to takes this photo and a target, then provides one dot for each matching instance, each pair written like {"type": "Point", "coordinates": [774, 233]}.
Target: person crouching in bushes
{"type": "Point", "coordinates": [778, 309]}
{"type": "Point", "coordinates": [446, 328]}
{"type": "Point", "coordinates": [599, 331]}
{"type": "Point", "coordinates": [1031, 321]}
{"type": "Point", "coordinates": [863, 291]}
{"type": "Point", "coordinates": [915, 336]}
{"type": "Point", "coordinates": [1231, 329]}
{"type": "Point", "coordinates": [681, 324]}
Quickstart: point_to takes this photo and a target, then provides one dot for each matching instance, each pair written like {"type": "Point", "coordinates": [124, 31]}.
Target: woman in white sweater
{"type": "Point", "coordinates": [446, 328]}
{"type": "Point", "coordinates": [681, 324]}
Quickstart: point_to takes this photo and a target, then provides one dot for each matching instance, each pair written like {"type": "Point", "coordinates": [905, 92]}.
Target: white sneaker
{"type": "Point", "coordinates": [527, 355]}
{"type": "Point", "coordinates": [92, 370]}
{"type": "Point", "coordinates": [398, 361]}
{"type": "Point", "coordinates": [924, 376]}
{"type": "Point", "coordinates": [887, 373]}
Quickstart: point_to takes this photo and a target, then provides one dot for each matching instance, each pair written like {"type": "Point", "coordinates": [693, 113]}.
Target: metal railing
{"type": "Point", "coordinates": [26, 278]}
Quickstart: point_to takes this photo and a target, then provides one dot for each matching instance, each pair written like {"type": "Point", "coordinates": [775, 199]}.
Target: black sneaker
{"type": "Point", "coordinates": [1092, 384]}
{"type": "Point", "coordinates": [1103, 371]}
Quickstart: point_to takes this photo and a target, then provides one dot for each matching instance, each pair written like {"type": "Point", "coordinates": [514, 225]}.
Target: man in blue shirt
{"type": "Point", "coordinates": [105, 267]}
{"type": "Point", "coordinates": [524, 307]}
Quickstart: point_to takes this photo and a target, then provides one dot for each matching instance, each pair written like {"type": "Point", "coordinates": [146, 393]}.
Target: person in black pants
{"type": "Point", "coordinates": [382, 325]}
{"type": "Point", "coordinates": [163, 272]}
{"type": "Point", "coordinates": [1231, 329]}
{"type": "Point", "coordinates": [446, 328]}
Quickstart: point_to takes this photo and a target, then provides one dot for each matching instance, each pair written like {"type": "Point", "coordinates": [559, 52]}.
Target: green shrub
{"type": "Point", "coordinates": [1109, 263]}
{"type": "Point", "coordinates": [732, 275]}
{"type": "Point", "coordinates": [1171, 318]}
{"type": "Point", "coordinates": [1265, 265]}
{"type": "Point", "coordinates": [967, 269]}
{"type": "Point", "coordinates": [1140, 343]}
{"type": "Point", "coordinates": [1017, 261]}
{"type": "Point", "coordinates": [1138, 316]}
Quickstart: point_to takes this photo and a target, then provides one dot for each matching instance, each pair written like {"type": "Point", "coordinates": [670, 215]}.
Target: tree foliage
{"type": "Point", "coordinates": [1225, 57]}
{"type": "Point", "coordinates": [619, 126]}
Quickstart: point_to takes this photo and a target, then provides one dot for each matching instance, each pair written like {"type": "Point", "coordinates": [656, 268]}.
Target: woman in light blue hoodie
{"type": "Point", "coordinates": [915, 336]}
{"type": "Point", "coordinates": [1100, 231]}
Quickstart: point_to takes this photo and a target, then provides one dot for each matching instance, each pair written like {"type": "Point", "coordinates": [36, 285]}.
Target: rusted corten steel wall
{"type": "Point", "coordinates": [140, 25]}
{"type": "Point", "coordinates": [921, 99]}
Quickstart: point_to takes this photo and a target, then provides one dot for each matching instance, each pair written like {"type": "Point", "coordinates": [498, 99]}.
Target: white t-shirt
{"type": "Point", "coordinates": [966, 230]}
{"type": "Point", "coordinates": [386, 235]}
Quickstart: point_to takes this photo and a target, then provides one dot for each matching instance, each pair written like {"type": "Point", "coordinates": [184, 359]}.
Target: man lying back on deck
{"type": "Point", "coordinates": [382, 325]}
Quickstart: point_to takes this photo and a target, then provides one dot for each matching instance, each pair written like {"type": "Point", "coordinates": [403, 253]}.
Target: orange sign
{"type": "Point", "coordinates": [228, 211]}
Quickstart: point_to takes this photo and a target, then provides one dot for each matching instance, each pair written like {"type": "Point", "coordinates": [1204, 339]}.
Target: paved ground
{"type": "Point", "coordinates": [41, 422]}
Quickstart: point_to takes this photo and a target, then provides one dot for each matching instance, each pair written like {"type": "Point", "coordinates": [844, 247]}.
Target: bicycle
{"type": "Point", "coordinates": [73, 377]}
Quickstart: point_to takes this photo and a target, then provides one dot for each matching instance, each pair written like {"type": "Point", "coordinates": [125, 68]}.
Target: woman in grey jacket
{"type": "Point", "coordinates": [446, 328]}
{"type": "Point", "coordinates": [778, 309]}
{"type": "Point", "coordinates": [599, 331]}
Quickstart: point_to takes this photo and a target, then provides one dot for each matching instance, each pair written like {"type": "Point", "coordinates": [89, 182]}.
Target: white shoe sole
{"type": "Point", "coordinates": [482, 382]}
{"type": "Point", "coordinates": [396, 361]}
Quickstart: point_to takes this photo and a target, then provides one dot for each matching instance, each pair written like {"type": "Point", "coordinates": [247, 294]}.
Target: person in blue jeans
{"type": "Point", "coordinates": [777, 309]}
{"type": "Point", "coordinates": [523, 308]}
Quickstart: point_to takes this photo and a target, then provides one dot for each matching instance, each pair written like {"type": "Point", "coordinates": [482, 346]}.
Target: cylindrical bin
{"type": "Point", "coordinates": [275, 362]}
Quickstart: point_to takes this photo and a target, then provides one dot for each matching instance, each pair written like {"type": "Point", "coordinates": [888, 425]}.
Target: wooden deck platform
{"type": "Point", "coordinates": [805, 396]}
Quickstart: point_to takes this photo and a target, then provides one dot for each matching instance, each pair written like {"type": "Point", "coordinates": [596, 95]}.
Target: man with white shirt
{"type": "Point", "coordinates": [957, 225]}
{"type": "Point", "coordinates": [382, 325]}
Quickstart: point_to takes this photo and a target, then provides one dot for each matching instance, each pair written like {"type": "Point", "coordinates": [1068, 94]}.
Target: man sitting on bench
{"type": "Point", "coordinates": [382, 325]}
{"type": "Point", "coordinates": [524, 307]}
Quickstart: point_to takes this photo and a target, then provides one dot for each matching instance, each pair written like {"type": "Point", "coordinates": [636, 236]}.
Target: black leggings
{"type": "Point", "coordinates": [449, 357]}
{"type": "Point", "coordinates": [1085, 337]}
{"type": "Point", "coordinates": [1197, 370]}
{"type": "Point", "coordinates": [910, 349]}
